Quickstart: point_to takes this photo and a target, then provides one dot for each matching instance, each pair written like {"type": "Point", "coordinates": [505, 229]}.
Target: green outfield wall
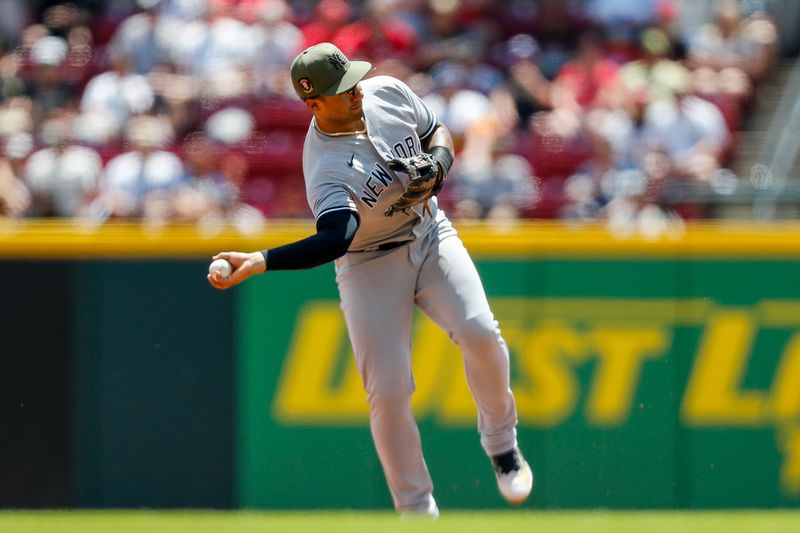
{"type": "Point", "coordinates": [639, 383]}
{"type": "Point", "coordinates": [648, 373]}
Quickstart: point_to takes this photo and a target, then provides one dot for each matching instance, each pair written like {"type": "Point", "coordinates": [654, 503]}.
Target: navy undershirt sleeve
{"type": "Point", "coordinates": [335, 232]}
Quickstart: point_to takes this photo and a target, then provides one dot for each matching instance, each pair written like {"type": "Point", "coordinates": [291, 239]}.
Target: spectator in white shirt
{"type": "Point", "coordinates": [690, 131]}
{"type": "Point", "coordinates": [721, 44]}
{"type": "Point", "coordinates": [118, 93]}
{"type": "Point", "coordinates": [141, 38]}
{"type": "Point", "coordinates": [216, 49]}
{"type": "Point", "coordinates": [61, 176]}
{"type": "Point", "coordinates": [140, 182]}
{"type": "Point", "coordinates": [722, 51]}
{"type": "Point", "coordinates": [278, 42]}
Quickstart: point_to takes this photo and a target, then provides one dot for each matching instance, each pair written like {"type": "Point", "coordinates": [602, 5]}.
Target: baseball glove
{"type": "Point", "coordinates": [426, 180]}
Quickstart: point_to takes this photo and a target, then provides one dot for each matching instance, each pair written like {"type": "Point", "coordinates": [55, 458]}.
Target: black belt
{"type": "Point", "coordinates": [384, 246]}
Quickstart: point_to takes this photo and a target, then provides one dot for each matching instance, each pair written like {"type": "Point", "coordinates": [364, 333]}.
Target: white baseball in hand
{"type": "Point", "coordinates": [223, 267]}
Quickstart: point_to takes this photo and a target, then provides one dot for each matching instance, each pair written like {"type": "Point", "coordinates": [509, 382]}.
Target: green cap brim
{"type": "Point", "coordinates": [354, 74]}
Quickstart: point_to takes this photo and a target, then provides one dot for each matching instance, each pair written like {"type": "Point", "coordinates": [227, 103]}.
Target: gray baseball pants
{"type": "Point", "coordinates": [378, 292]}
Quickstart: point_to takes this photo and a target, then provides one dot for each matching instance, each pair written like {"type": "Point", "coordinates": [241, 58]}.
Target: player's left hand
{"type": "Point", "coordinates": [244, 266]}
{"type": "Point", "coordinates": [426, 177]}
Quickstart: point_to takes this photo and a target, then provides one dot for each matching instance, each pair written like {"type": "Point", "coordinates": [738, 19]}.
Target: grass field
{"type": "Point", "coordinates": [358, 522]}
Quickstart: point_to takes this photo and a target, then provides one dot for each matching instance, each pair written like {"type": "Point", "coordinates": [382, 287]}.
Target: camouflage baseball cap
{"type": "Point", "coordinates": [323, 70]}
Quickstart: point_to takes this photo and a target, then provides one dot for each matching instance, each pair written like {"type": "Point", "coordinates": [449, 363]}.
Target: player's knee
{"type": "Point", "coordinates": [390, 396]}
{"type": "Point", "coordinates": [479, 333]}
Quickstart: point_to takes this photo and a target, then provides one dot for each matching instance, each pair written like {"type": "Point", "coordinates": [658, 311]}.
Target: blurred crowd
{"type": "Point", "coordinates": [183, 110]}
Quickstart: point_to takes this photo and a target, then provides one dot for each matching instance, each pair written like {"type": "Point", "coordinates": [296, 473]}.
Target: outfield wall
{"type": "Point", "coordinates": [648, 373]}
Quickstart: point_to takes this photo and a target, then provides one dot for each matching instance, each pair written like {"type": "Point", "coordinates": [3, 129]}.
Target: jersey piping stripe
{"type": "Point", "coordinates": [340, 208]}
{"type": "Point", "coordinates": [432, 127]}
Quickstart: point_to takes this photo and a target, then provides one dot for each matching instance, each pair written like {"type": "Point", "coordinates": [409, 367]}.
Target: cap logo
{"type": "Point", "coordinates": [306, 85]}
{"type": "Point", "coordinates": [337, 59]}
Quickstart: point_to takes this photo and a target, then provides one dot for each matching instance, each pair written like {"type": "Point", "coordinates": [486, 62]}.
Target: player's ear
{"type": "Point", "coordinates": [312, 104]}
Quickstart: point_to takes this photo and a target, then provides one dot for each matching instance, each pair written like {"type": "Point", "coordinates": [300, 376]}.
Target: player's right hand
{"type": "Point", "coordinates": [244, 266]}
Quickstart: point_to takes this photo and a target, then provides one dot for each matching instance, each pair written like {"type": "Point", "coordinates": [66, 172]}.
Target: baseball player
{"type": "Point", "coordinates": [374, 158]}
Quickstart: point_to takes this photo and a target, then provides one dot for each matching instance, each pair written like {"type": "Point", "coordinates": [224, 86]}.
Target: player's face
{"type": "Point", "coordinates": [341, 107]}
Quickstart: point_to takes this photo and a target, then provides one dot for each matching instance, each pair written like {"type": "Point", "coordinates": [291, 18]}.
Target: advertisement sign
{"type": "Point", "coordinates": [652, 383]}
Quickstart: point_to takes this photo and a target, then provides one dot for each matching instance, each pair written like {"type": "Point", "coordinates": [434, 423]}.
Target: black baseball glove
{"type": "Point", "coordinates": [426, 180]}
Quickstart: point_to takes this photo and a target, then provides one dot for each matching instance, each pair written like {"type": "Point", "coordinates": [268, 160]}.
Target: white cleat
{"type": "Point", "coordinates": [514, 476]}
{"type": "Point", "coordinates": [429, 512]}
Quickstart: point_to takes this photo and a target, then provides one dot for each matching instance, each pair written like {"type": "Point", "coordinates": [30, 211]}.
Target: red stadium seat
{"type": "Point", "coordinates": [554, 156]}
{"type": "Point", "coordinates": [281, 113]}
{"type": "Point", "coordinates": [550, 201]}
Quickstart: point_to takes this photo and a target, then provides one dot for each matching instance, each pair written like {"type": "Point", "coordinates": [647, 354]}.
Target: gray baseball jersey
{"type": "Point", "coordinates": [379, 289]}
{"type": "Point", "coordinates": [350, 172]}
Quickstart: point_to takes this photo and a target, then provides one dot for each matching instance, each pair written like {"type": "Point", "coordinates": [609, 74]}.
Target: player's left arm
{"type": "Point", "coordinates": [440, 145]}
